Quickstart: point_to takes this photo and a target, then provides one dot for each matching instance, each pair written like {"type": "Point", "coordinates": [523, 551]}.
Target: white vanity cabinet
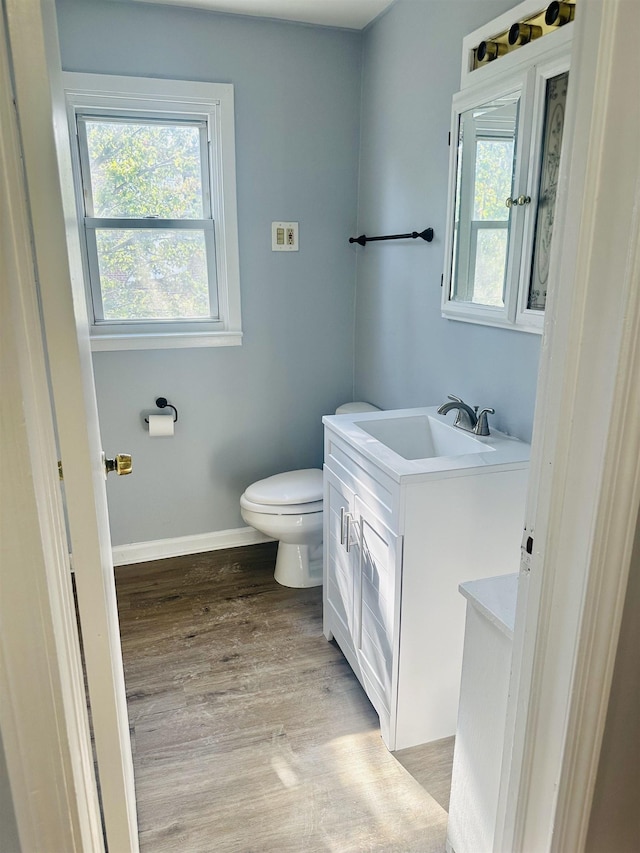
{"type": "Point", "coordinates": [396, 547]}
{"type": "Point", "coordinates": [480, 733]}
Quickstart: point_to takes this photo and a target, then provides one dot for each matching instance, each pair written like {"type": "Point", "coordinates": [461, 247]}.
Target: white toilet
{"type": "Point", "coordinates": [288, 507]}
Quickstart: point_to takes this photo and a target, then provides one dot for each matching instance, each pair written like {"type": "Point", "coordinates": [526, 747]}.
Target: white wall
{"type": "Point", "coordinates": [406, 354]}
{"type": "Point", "coordinates": [245, 412]}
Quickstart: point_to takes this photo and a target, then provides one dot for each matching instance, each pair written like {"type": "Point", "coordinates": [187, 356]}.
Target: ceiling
{"type": "Point", "coordinates": [352, 14]}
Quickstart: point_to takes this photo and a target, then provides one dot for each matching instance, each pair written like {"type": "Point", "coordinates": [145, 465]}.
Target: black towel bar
{"type": "Point", "coordinates": [427, 235]}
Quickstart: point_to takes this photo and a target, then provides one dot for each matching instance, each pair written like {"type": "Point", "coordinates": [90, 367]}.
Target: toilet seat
{"type": "Point", "coordinates": [281, 509]}
{"type": "Point", "coordinates": [288, 490]}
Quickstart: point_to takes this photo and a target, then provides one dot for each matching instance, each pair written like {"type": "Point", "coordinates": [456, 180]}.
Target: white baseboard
{"type": "Point", "coordinates": [159, 549]}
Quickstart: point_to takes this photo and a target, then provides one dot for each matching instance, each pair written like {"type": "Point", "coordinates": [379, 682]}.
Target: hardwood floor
{"type": "Point", "coordinates": [250, 732]}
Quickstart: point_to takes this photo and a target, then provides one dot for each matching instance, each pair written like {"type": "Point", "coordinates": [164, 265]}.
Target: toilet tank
{"type": "Point", "coordinates": [352, 408]}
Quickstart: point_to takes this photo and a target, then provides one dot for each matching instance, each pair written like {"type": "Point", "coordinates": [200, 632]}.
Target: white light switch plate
{"type": "Point", "coordinates": [284, 236]}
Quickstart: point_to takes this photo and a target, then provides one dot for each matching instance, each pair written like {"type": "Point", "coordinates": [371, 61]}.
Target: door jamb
{"type": "Point", "coordinates": [585, 492]}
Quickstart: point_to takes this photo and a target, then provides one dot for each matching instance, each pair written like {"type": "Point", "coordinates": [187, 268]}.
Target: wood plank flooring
{"type": "Point", "coordinates": [250, 732]}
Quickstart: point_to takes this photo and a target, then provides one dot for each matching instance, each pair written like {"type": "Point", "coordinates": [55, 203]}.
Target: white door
{"type": "Point", "coordinates": [33, 40]}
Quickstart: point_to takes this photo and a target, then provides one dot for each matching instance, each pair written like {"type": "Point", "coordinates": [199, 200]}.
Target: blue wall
{"type": "Point", "coordinates": [313, 106]}
{"type": "Point", "coordinates": [406, 354]}
{"type": "Point", "coordinates": [250, 411]}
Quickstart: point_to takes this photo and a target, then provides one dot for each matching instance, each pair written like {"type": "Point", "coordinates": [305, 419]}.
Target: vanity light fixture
{"type": "Point", "coordinates": [558, 14]}
{"type": "Point", "coordinates": [523, 33]}
{"type": "Point", "coordinates": [490, 50]}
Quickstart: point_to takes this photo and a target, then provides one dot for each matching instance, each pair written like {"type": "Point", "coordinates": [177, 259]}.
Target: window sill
{"type": "Point", "coordinates": [165, 340]}
{"type": "Point", "coordinates": [483, 316]}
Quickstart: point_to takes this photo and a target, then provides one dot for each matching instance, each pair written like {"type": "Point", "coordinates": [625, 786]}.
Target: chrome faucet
{"type": "Point", "coordinates": [467, 418]}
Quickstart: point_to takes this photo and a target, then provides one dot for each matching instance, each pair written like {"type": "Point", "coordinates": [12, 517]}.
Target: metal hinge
{"type": "Point", "coordinates": [449, 142]}
{"type": "Point", "coordinates": [60, 474]}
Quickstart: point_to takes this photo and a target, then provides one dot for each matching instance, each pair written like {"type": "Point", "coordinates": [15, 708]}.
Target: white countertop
{"type": "Point", "coordinates": [501, 450]}
{"type": "Point", "coordinates": [495, 598]}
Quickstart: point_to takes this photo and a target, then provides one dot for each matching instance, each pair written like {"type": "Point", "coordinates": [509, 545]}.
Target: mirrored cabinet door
{"type": "Point", "coordinates": [486, 150]}
{"type": "Point", "coordinates": [488, 179]}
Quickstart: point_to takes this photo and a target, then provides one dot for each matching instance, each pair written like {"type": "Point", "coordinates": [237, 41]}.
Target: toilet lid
{"type": "Point", "coordinates": [292, 487]}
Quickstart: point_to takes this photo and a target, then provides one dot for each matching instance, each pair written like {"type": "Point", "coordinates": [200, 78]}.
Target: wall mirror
{"type": "Point", "coordinates": [506, 139]}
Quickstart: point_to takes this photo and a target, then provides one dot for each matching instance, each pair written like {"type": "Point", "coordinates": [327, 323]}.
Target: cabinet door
{"type": "Point", "coordinates": [339, 560]}
{"type": "Point", "coordinates": [377, 595]}
{"type": "Point", "coordinates": [489, 157]}
{"type": "Point", "coordinates": [551, 84]}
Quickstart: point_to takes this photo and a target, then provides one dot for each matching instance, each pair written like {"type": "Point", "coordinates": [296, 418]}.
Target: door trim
{"type": "Point", "coordinates": [585, 490]}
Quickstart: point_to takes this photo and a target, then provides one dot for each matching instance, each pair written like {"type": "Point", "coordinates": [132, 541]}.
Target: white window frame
{"type": "Point", "coordinates": [211, 104]}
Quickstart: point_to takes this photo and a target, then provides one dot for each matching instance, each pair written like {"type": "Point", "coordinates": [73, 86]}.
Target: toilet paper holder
{"type": "Point", "coordinates": [163, 403]}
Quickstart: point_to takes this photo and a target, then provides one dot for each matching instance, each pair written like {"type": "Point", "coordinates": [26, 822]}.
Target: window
{"type": "Point", "coordinates": [154, 175]}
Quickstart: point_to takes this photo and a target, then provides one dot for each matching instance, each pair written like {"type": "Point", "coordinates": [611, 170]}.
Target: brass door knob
{"type": "Point", "coordinates": [122, 464]}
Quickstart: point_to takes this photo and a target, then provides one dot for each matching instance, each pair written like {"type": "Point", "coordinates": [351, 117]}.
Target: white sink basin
{"type": "Point", "coordinates": [420, 442]}
{"type": "Point", "coordinates": [422, 437]}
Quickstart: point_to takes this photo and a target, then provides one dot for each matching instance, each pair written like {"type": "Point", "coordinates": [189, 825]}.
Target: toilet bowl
{"type": "Point", "coordinates": [288, 507]}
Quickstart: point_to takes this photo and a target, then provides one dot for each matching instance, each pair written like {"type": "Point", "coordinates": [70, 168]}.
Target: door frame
{"type": "Point", "coordinates": [588, 404]}
{"type": "Point", "coordinates": [584, 491]}
{"type": "Point", "coordinates": [43, 717]}
{"type": "Point", "coordinates": [46, 157]}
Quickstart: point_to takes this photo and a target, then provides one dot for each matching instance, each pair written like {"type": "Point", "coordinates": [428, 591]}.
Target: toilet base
{"type": "Point", "coordinates": [299, 566]}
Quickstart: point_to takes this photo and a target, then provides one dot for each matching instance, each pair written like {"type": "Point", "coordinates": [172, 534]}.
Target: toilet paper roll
{"type": "Point", "coordinates": [160, 426]}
